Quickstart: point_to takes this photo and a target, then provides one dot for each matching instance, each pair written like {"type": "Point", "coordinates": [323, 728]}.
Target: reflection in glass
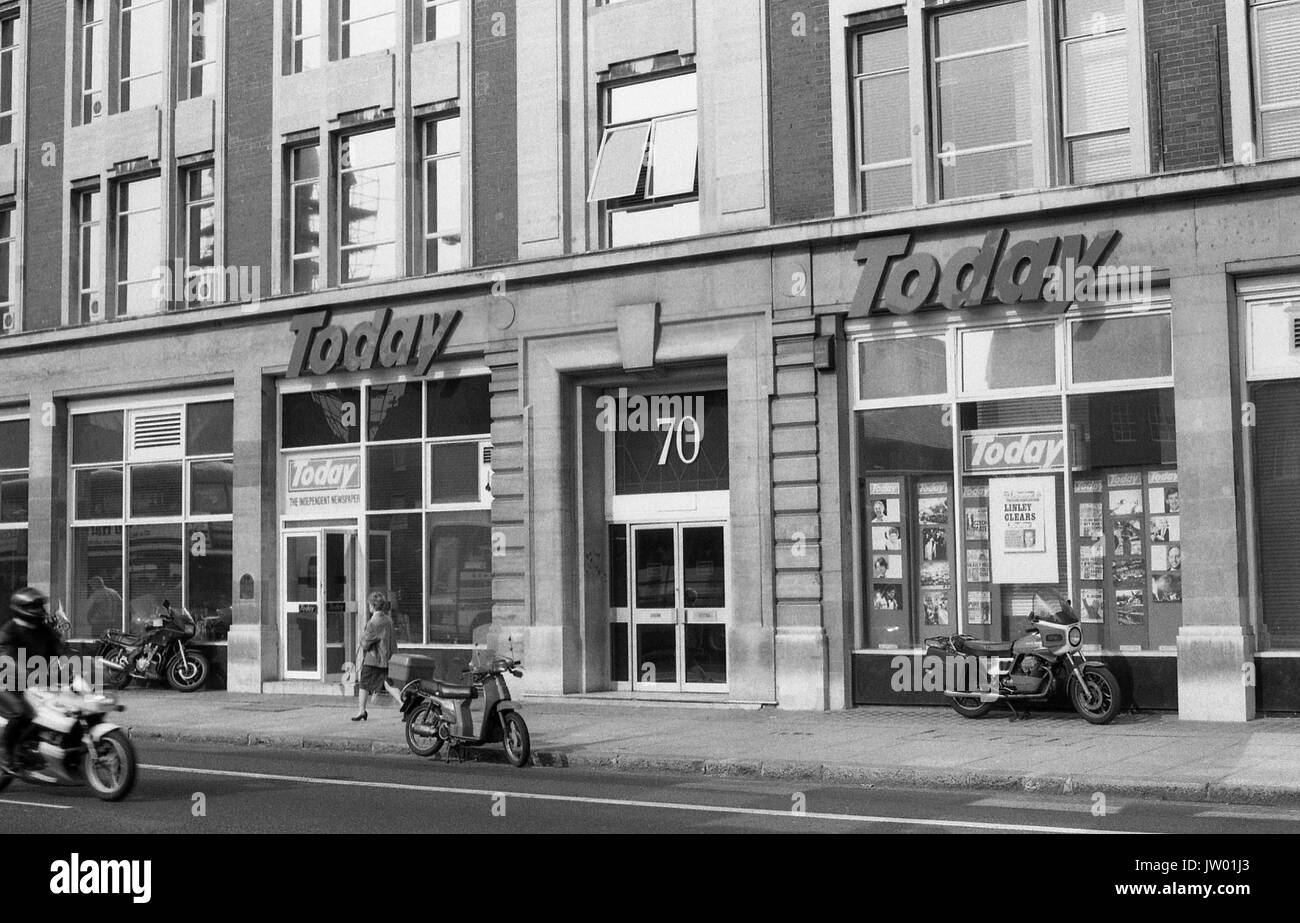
{"type": "Point", "coordinates": [394, 475]}
{"type": "Point", "coordinates": [156, 490]}
{"type": "Point", "coordinates": [154, 564]}
{"type": "Point", "coordinates": [656, 571]}
{"type": "Point", "coordinates": [460, 576]}
{"type": "Point", "coordinates": [96, 581]}
{"type": "Point", "coordinates": [706, 653]}
{"type": "Point", "coordinates": [99, 493]}
{"type": "Point", "coordinates": [209, 577]}
{"type": "Point", "coordinates": [704, 567]}
{"type": "Point", "coordinates": [212, 488]}
{"type": "Point", "coordinates": [394, 566]}
{"type": "Point", "coordinates": [656, 653]}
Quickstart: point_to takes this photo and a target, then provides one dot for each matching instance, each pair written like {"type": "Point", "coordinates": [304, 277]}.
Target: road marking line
{"type": "Point", "coordinates": [632, 803]}
{"type": "Point", "coordinates": [1291, 816]}
{"type": "Point", "coordinates": [37, 804]}
{"type": "Point", "coordinates": [1042, 804]}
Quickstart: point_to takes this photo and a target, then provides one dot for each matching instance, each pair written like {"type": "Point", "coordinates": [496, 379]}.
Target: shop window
{"type": "Point", "coordinates": [305, 27]}
{"type": "Point", "coordinates": [9, 313]}
{"type": "Point", "coordinates": [367, 206]}
{"type": "Point", "coordinates": [304, 218]}
{"type": "Point", "coordinates": [1275, 442]}
{"type": "Point", "coordinates": [1275, 41]}
{"type": "Point", "coordinates": [202, 31]}
{"type": "Point", "coordinates": [441, 19]}
{"type": "Point", "coordinates": [328, 417]}
{"type": "Point", "coordinates": [394, 475]}
{"type": "Point", "coordinates": [1121, 348]}
{"type": "Point", "coordinates": [152, 498]}
{"type": "Point", "coordinates": [138, 240]}
{"type": "Point", "coordinates": [200, 216]}
{"type": "Point", "coordinates": [88, 248]}
{"type": "Point", "coordinates": [459, 407]}
{"type": "Point", "coordinates": [997, 358]}
{"type": "Point", "coordinates": [645, 174]}
{"type": "Point", "coordinates": [91, 43]}
{"type": "Point", "coordinates": [395, 567]}
{"type": "Point", "coordinates": [902, 367]}
{"type": "Point", "coordinates": [883, 120]}
{"type": "Point", "coordinates": [14, 473]}
{"type": "Point", "coordinates": [460, 576]}
{"type": "Point", "coordinates": [394, 411]}
{"type": "Point", "coordinates": [441, 176]}
{"type": "Point", "coordinates": [365, 26]}
{"type": "Point", "coordinates": [140, 54]}
{"type": "Point", "coordinates": [10, 98]}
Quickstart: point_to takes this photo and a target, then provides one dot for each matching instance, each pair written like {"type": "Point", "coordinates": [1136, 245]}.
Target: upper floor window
{"type": "Point", "coordinates": [8, 289]}
{"type": "Point", "coordinates": [140, 53]}
{"type": "Point", "coordinates": [88, 255]}
{"type": "Point", "coordinates": [91, 61]}
{"type": "Point", "coordinates": [645, 170]}
{"type": "Point", "coordinates": [138, 239]}
{"type": "Point", "coordinates": [884, 143]}
{"type": "Point", "coordinates": [203, 30]}
{"type": "Point", "coordinates": [441, 19]}
{"type": "Point", "coordinates": [1275, 28]}
{"type": "Point", "coordinates": [306, 34]}
{"type": "Point", "coordinates": [366, 26]}
{"type": "Point", "coordinates": [200, 234]}
{"type": "Point", "coordinates": [9, 97]}
{"type": "Point", "coordinates": [442, 194]}
{"type": "Point", "coordinates": [1096, 120]}
{"type": "Point", "coordinates": [367, 197]}
{"type": "Point", "coordinates": [304, 218]}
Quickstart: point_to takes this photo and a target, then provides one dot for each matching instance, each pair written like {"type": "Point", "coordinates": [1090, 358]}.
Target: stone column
{"type": "Point", "coordinates": [47, 499]}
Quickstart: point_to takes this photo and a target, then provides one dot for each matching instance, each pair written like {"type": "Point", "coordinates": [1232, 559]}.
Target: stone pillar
{"type": "Point", "coordinates": [47, 499]}
{"type": "Point", "coordinates": [253, 647]}
{"type": "Point", "coordinates": [1216, 642]}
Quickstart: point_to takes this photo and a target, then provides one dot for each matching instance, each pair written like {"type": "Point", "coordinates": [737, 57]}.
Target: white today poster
{"type": "Point", "coordinates": [1022, 530]}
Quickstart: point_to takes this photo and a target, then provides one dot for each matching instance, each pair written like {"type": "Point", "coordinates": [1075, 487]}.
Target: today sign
{"type": "Point", "coordinates": [323, 485]}
{"type": "Point", "coordinates": [1024, 451]}
{"type": "Point", "coordinates": [320, 347]}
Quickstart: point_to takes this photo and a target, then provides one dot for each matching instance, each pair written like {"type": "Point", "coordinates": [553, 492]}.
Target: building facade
{"type": "Point", "coordinates": [684, 349]}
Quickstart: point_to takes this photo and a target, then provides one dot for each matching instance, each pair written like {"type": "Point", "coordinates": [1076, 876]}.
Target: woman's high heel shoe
{"type": "Point", "coordinates": [361, 717]}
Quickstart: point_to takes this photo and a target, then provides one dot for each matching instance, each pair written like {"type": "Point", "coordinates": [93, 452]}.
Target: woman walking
{"type": "Point", "coordinates": [378, 644]}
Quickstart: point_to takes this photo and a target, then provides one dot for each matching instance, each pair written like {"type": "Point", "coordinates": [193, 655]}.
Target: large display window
{"type": "Point", "coordinates": [411, 461]}
{"type": "Point", "coordinates": [1009, 464]}
{"type": "Point", "coordinates": [14, 438]}
{"type": "Point", "coordinates": [151, 496]}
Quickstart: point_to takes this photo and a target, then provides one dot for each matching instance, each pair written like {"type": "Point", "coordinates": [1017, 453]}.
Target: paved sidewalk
{"type": "Point", "coordinates": [1148, 755]}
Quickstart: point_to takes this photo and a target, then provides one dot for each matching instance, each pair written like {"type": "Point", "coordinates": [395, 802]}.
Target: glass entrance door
{"type": "Point", "coordinates": [678, 612]}
{"type": "Point", "coordinates": [320, 601]}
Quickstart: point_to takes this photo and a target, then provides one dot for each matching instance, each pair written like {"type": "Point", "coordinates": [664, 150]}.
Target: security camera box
{"type": "Point", "coordinates": [403, 668]}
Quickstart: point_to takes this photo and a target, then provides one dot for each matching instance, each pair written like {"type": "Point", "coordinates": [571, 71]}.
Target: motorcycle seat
{"type": "Point", "coordinates": [446, 690]}
{"type": "Point", "coordinates": [115, 635]}
{"type": "Point", "coordinates": [993, 648]}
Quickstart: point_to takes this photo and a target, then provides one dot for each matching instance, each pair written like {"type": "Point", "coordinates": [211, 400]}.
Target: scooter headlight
{"type": "Point", "coordinates": [1075, 636]}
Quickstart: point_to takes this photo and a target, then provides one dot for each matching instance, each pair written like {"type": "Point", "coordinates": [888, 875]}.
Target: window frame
{"type": "Point", "coordinates": [10, 417]}
{"type": "Point", "coordinates": [428, 160]}
{"type": "Point", "coordinates": [343, 26]}
{"type": "Point", "coordinates": [859, 76]}
{"type": "Point", "coordinates": [121, 61]}
{"type": "Point", "coordinates": [11, 308]}
{"type": "Point", "coordinates": [340, 248]}
{"type": "Point", "coordinates": [1257, 106]}
{"type": "Point", "coordinates": [293, 182]}
{"type": "Point", "coordinates": [89, 270]}
{"type": "Point", "coordinates": [208, 12]}
{"type": "Point", "coordinates": [428, 18]}
{"type": "Point", "coordinates": [189, 205]}
{"type": "Point", "coordinates": [12, 61]}
{"type": "Point", "coordinates": [120, 216]}
{"type": "Point", "coordinates": [300, 41]}
{"type": "Point", "coordinates": [92, 61]}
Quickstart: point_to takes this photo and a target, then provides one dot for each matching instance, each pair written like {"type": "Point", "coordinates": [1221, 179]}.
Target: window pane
{"type": "Point", "coordinates": [395, 412]}
{"type": "Point", "coordinates": [156, 490]}
{"type": "Point", "coordinates": [655, 562]}
{"type": "Point", "coordinates": [96, 581]}
{"type": "Point", "coordinates": [321, 418]}
{"type": "Point", "coordinates": [672, 156]}
{"type": "Point", "coordinates": [1279, 132]}
{"type": "Point", "coordinates": [154, 564]}
{"type": "Point", "coordinates": [992, 171]}
{"type": "Point", "coordinates": [704, 567]}
{"type": "Point", "coordinates": [885, 130]}
{"type": "Point", "coordinates": [460, 406]}
{"type": "Point", "coordinates": [649, 98]}
{"type": "Point", "coordinates": [442, 136]}
{"type": "Point", "coordinates": [890, 187]}
{"type": "Point", "coordinates": [984, 100]}
{"type": "Point", "coordinates": [13, 498]}
{"type": "Point", "coordinates": [367, 263]}
{"type": "Point", "coordinates": [1276, 446]}
{"type": "Point", "coordinates": [905, 439]}
{"type": "Point", "coordinates": [212, 488]}
{"type": "Point", "coordinates": [394, 474]}
{"type": "Point", "coordinates": [646, 225]}
{"type": "Point", "coordinates": [306, 162]}
{"type": "Point", "coordinates": [209, 428]}
{"type": "Point", "coordinates": [1008, 357]}
{"type": "Point", "coordinates": [1092, 17]}
{"type": "Point", "coordinates": [1116, 348]}
{"type": "Point", "coordinates": [306, 275]}
{"type": "Point", "coordinates": [699, 462]}
{"type": "Point", "coordinates": [460, 576]}
{"type": "Point", "coordinates": [209, 582]}
{"type": "Point", "coordinates": [618, 169]}
{"type": "Point", "coordinates": [1096, 84]}
{"type": "Point", "coordinates": [99, 493]}
{"type": "Point", "coordinates": [989, 27]}
{"type": "Point", "coordinates": [442, 21]}
{"type": "Point", "coordinates": [13, 561]}
{"type": "Point", "coordinates": [368, 215]}
{"type": "Point", "coordinates": [14, 436]}
{"type": "Point", "coordinates": [882, 51]}
{"type": "Point", "coordinates": [306, 218]}
{"type": "Point", "coordinates": [905, 367]}
{"type": "Point", "coordinates": [618, 566]}
{"type": "Point", "coordinates": [1277, 41]}
{"type": "Point", "coordinates": [1100, 159]}
{"type": "Point", "coordinates": [445, 186]}
{"type": "Point", "coordinates": [1123, 428]}
{"type": "Point", "coordinates": [97, 437]}
{"type": "Point", "coordinates": [368, 149]}
{"type": "Point", "coordinates": [369, 35]}
{"type": "Point", "coordinates": [454, 473]}
{"type": "Point", "coordinates": [394, 567]}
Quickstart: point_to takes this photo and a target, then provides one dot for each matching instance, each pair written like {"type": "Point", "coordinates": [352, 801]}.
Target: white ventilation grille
{"type": "Point", "coordinates": [487, 455]}
{"type": "Point", "coordinates": [157, 434]}
{"type": "Point", "coordinates": [1295, 334]}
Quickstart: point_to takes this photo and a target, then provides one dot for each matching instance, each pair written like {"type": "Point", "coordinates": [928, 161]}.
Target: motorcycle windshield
{"type": "Point", "coordinates": [1053, 607]}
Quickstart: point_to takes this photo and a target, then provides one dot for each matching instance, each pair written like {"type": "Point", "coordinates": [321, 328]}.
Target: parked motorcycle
{"type": "Point", "coordinates": [1032, 668]}
{"type": "Point", "coordinates": [158, 654]}
{"type": "Point", "coordinates": [69, 742]}
{"type": "Point", "coordinates": [438, 713]}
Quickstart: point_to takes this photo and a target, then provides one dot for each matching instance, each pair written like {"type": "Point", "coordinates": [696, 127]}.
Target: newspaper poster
{"type": "Point", "coordinates": [1022, 529]}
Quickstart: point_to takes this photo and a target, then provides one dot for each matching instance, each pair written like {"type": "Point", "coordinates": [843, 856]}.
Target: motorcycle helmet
{"type": "Point", "coordinates": [29, 603]}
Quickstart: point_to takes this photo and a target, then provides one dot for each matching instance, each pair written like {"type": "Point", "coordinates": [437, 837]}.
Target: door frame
{"type": "Point", "coordinates": [318, 533]}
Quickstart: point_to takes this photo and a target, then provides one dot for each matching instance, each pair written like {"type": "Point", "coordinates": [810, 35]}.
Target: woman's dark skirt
{"type": "Point", "coordinates": [372, 678]}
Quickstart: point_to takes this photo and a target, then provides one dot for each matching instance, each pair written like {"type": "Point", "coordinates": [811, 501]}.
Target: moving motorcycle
{"type": "Point", "coordinates": [438, 713]}
{"type": "Point", "coordinates": [69, 742]}
{"type": "Point", "coordinates": [159, 654]}
{"type": "Point", "coordinates": [1032, 668]}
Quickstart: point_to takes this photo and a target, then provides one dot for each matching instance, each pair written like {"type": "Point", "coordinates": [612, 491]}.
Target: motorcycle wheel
{"type": "Point", "coordinates": [1099, 703]}
{"type": "Point", "coordinates": [425, 717]}
{"type": "Point", "coordinates": [188, 673]}
{"type": "Point", "coordinates": [110, 767]}
{"type": "Point", "coordinates": [970, 706]}
{"type": "Point", "coordinates": [514, 733]}
{"type": "Point", "coordinates": [117, 675]}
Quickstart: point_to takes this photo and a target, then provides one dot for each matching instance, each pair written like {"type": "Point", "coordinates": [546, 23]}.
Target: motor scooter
{"type": "Point", "coordinates": [438, 713]}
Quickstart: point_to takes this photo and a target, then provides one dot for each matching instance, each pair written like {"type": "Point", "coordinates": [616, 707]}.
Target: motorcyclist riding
{"type": "Point", "coordinates": [31, 632]}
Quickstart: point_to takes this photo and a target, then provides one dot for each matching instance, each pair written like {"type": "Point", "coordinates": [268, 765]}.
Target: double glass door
{"type": "Point", "coordinates": [672, 635]}
{"type": "Point", "coordinates": [320, 601]}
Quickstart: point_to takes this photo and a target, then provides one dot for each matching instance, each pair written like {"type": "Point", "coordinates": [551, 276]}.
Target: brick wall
{"type": "Point", "coordinates": [43, 213]}
{"type": "Point", "coordinates": [1193, 84]}
{"type": "Point", "coordinates": [250, 33]}
{"type": "Point", "coordinates": [800, 98]}
{"type": "Point", "coordinates": [496, 147]}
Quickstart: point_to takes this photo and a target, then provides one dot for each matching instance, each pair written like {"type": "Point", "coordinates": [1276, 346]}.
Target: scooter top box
{"type": "Point", "coordinates": [402, 668]}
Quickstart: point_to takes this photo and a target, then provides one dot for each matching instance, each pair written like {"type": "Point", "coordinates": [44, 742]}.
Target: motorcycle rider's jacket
{"type": "Point", "coordinates": [32, 638]}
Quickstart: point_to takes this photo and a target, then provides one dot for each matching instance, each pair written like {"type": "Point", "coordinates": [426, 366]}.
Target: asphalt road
{"type": "Point", "coordinates": [254, 790]}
